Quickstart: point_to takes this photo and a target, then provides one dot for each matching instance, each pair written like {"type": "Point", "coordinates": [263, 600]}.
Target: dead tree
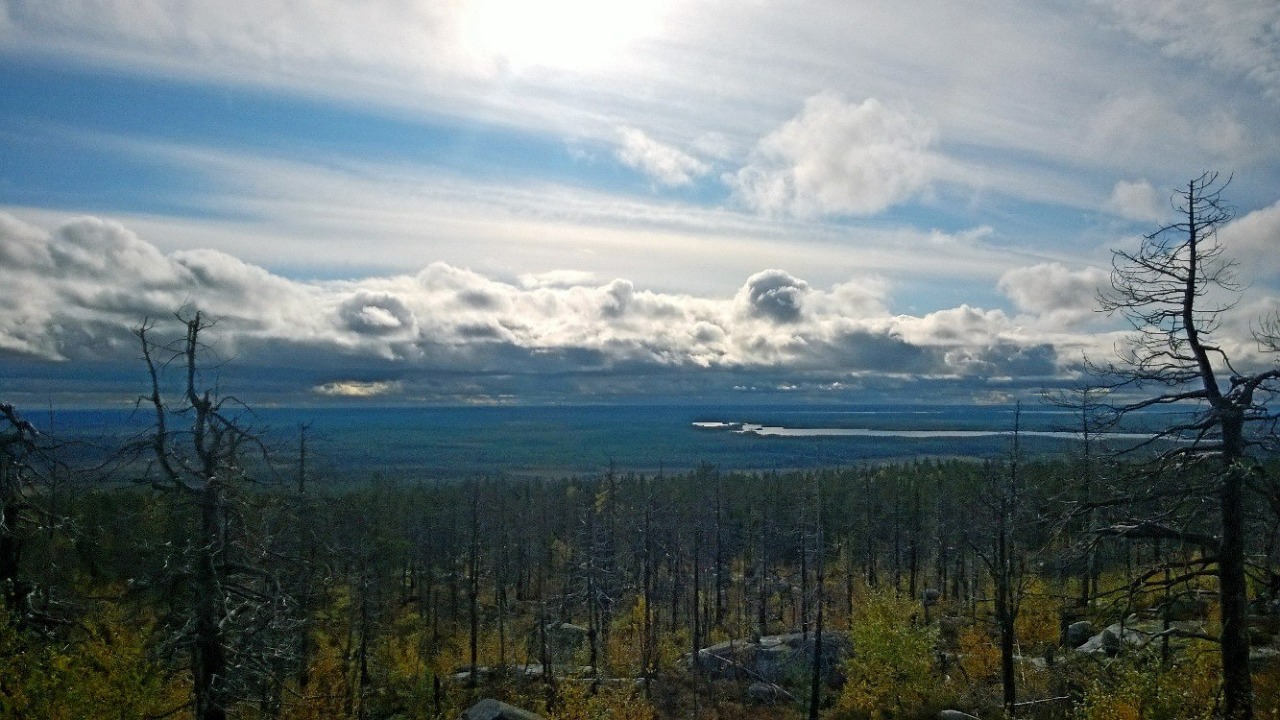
{"type": "Point", "coordinates": [1174, 290]}
{"type": "Point", "coordinates": [18, 447]}
{"type": "Point", "coordinates": [819, 541]}
{"type": "Point", "coordinates": [994, 541]}
{"type": "Point", "coordinates": [232, 617]}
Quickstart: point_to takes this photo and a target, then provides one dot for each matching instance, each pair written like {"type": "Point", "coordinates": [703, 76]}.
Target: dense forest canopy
{"type": "Point", "coordinates": [600, 594]}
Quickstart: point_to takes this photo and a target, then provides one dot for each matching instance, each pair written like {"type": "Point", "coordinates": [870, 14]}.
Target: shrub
{"type": "Point", "coordinates": [891, 670]}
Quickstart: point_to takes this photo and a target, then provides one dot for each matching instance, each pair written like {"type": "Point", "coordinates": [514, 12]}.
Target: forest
{"type": "Point", "coordinates": [895, 590]}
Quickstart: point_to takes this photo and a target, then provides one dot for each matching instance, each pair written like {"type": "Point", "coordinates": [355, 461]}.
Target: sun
{"type": "Point", "coordinates": [581, 35]}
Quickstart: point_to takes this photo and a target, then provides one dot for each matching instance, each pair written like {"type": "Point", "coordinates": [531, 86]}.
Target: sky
{"type": "Point", "coordinates": [496, 201]}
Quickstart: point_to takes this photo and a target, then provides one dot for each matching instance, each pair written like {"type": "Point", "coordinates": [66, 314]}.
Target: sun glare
{"type": "Point", "coordinates": [584, 35]}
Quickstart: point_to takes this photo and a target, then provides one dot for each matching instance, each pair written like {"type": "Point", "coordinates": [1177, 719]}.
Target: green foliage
{"type": "Point", "coordinates": [1138, 687]}
{"type": "Point", "coordinates": [104, 670]}
{"type": "Point", "coordinates": [1037, 622]}
{"type": "Point", "coordinates": [578, 702]}
{"type": "Point", "coordinates": [891, 673]}
{"type": "Point", "coordinates": [385, 572]}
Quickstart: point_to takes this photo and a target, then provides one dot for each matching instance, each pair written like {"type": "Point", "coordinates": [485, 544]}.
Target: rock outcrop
{"type": "Point", "coordinates": [490, 709]}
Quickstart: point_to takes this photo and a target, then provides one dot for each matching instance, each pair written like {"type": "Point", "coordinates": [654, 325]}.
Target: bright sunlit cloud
{"type": "Point", "coordinates": [678, 184]}
{"type": "Point", "coordinates": [582, 35]}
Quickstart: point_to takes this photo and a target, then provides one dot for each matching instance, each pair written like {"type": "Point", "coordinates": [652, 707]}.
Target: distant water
{"type": "Point", "coordinates": [365, 442]}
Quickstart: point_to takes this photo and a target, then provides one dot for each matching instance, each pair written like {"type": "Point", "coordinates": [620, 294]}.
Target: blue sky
{"type": "Point", "coordinates": [469, 201]}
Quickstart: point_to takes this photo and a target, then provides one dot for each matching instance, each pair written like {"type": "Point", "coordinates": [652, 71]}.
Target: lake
{"type": "Point", "coordinates": [364, 442]}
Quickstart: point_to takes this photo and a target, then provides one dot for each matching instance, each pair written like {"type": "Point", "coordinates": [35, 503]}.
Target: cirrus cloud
{"type": "Point", "coordinates": [663, 163]}
{"type": "Point", "coordinates": [1232, 35]}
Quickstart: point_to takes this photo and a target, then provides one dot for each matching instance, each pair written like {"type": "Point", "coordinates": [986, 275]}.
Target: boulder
{"type": "Point", "coordinates": [490, 709]}
{"type": "Point", "coordinates": [773, 658]}
{"type": "Point", "coordinates": [1139, 632]}
{"type": "Point", "coordinates": [765, 693]}
{"type": "Point", "coordinates": [1078, 633]}
{"type": "Point", "coordinates": [565, 642]}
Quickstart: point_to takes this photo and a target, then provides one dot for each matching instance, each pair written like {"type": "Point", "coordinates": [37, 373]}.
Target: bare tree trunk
{"type": "Point", "coordinates": [473, 586]}
{"type": "Point", "coordinates": [209, 654]}
{"type": "Point", "coordinates": [815, 680]}
{"type": "Point", "coordinates": [1237, 685]}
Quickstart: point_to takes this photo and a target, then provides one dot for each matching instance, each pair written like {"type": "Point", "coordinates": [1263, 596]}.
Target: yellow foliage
{"type": "Point", "coordinates": [626, 641]}
{"type": "Point", "coordinates": [330, 683]}
{"type": "Point", "coordinates": [1138, 688]}
{"type": "Point", "coordinates": [671, 648]}
{"type": "Point", "coordinates": [892, 665]}
{"type": "Point", "coordinates": [1037, 623]}
{"type": "Point", "coordinates": [104, 673]}
{"type": "Point", "coordinates": [1266, 693]}
{"type": "Point", "coordinates": [979, 655]}
{"type": "Point", "coordinates": [608, 703]}
{"type": "Point", "coordinates": [1104, 707]}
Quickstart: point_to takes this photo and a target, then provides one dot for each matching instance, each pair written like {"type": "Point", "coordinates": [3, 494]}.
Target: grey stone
{"type": "Point", "coordinates": [490, 709]}
{"type": "Point", "coordinates": [765, 693]}
{"type": "Point", "coordinates": [1078, 633]}
{"type": "Point", "coordinates": [773, 658]}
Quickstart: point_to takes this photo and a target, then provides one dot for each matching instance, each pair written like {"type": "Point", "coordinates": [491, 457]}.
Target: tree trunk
{"type": "Point", "coordinates": [1237, 686]}
{"type": "Point", "coordinates": [208, 652]}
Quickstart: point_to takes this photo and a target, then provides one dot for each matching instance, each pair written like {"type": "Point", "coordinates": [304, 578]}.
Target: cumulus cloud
{"type": "Point", "coordinates": [376, 314]}
{"type": "Point", "coordinates": [663, 163]}
{"type": "Point", "coordinates": [1137, 200]}
{"type": "Point", "coordinates": [76, 291]}
{"type": "Point", "coordinates": [774, 295]}
{"type": "Point", "coordinates": [861, 298]}
{"type": "Point", "coordinates": [963, 326]}
{"type": "Point", "coordinates": [1251, 241]}
{"type": "Point", "coordinates": [839, 158]}
{"type": "Point", "coordinates": [1051, 289]}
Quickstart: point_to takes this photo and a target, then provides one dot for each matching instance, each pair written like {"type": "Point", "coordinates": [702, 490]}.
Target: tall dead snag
{"type": "Point", "coordinates": [231, 615]}
{"type": "Point", "coordinates": [1000, 518]}
{"type": "Point", "coordinates": [820, 547]}
{"type": "Point", "coordinates": [18, 447]}
{"type": "Point", "coordinates": [1171, 290]}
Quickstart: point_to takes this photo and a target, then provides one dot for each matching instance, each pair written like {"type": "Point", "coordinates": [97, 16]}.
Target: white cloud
{"type": "Point", "coordinates": [1137, 200]}
{"type": "Point", "coordinates": [76, 291]}
{"type": "Point", "coordinates": [774, 295]}
{"type": "Point", "coordinates": [556, 279]}
{"type": "Point", "coordinates": [376, 314]}
{"type": "Point", "coordinates": [1236, 36]}
{"type": "Point", "coordinates": [1252, 241]}
{"type": "Point", "coordinates": [358, 388]}
{"type": "Point", "coordinates": [861, 298]}
{"type": "Point", "coordinates": [1145, 128]}
{"type": "Point", "coordinates": [400, 36]}
{"type": "Point", "coordinates": [963, 326]}
{"type": "Point", "coordinates": [665, 164]}
{"type": "Point", "coordinates": [839, 158]}
{"type": "Point", "coordinates": [1051, 290]}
